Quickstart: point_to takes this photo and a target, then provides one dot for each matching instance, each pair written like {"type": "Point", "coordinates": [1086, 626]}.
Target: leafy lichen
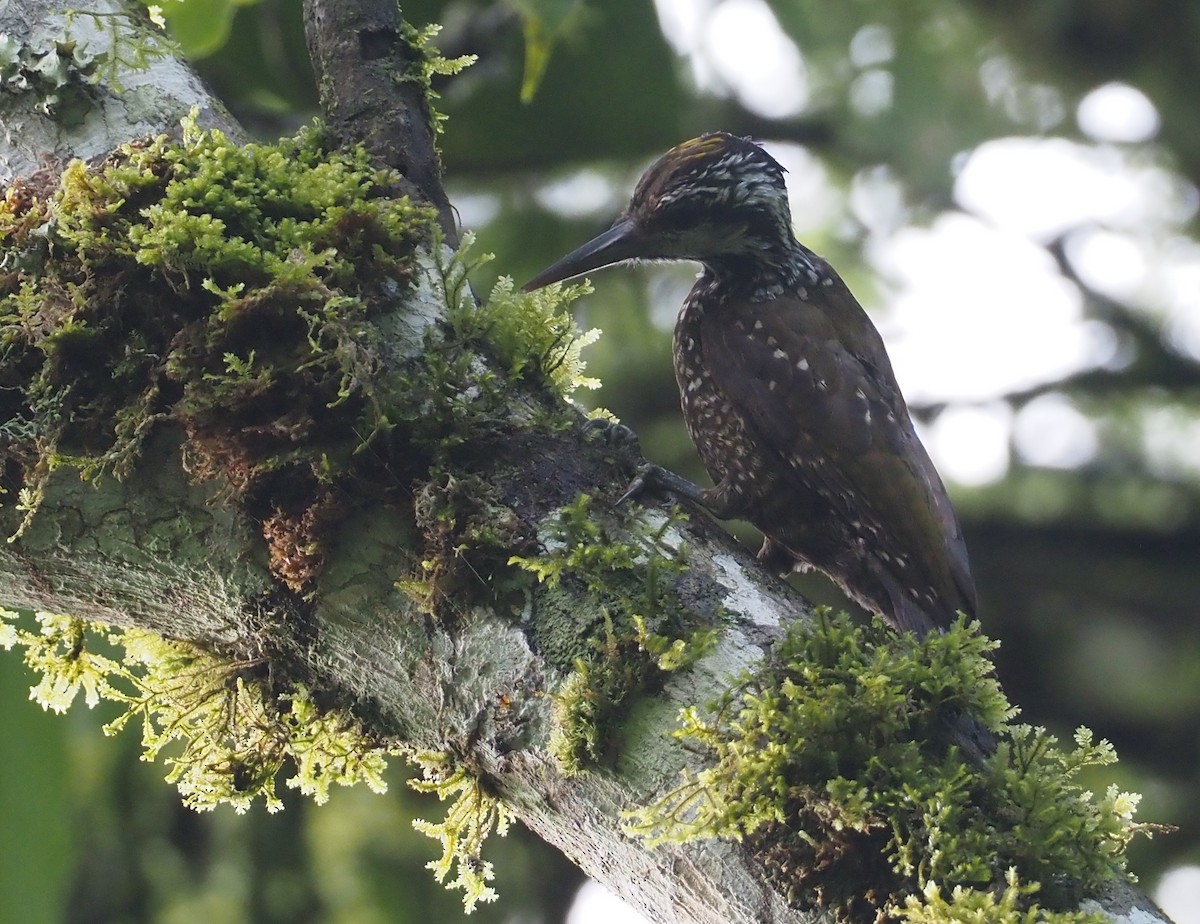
{"type": "Point", "coordinates": [229, 730]}
{"type": "Point", "coordinates": [472, 817]}
{"type": "Point", "coordinates": [57, 72]}
{"type": "Point", "coordinates": [835, 763]}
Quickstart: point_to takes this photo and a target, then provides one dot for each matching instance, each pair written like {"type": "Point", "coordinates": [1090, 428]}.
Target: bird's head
{"type": "Point", "coordinates": [719, 199]}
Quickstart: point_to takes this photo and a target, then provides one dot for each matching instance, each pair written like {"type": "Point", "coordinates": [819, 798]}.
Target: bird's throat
{"type": "Point", "coordinates": [762, 274]}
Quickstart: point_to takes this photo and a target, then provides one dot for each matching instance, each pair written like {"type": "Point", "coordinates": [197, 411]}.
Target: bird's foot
{"type": "Point", "coordinates": [610, 432]}
{"type": "Point", "coordinates": [651, 477]}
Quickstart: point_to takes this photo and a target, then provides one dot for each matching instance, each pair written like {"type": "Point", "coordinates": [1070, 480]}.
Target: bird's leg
{"type": "Point", "coordinates": [656, 478]}
{"type": "Point", "coordinates": [778, 558]}
{"type": "Point", "coordinates": [649, 476]}
{"type": "Point", "coordinates": [653, 477]}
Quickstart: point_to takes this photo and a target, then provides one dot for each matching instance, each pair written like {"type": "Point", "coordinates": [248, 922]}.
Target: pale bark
{"type": "Point", "coordinates": [159, 551]}
{"type": "Point", "coordinates": [148, 101]}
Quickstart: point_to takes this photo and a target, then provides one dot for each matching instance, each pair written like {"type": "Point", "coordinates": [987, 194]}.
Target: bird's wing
{"type": "Point", "coordinates": [813, 382]}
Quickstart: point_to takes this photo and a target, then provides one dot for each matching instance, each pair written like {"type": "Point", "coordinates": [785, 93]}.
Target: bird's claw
{"type": "Point", "coordinates": [645, 478]}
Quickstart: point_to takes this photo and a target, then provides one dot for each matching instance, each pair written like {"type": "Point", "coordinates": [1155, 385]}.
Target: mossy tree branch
{"type": "Point", "coordinates": [375, 543]}
{"type": "Point", "coordinates": [374, 87]}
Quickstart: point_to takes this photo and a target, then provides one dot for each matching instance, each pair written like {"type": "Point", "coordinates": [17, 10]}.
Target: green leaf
{"type": "Point", "coordinates": [545, 22]}
{"type": "Point", "coordinates": [200, 26]}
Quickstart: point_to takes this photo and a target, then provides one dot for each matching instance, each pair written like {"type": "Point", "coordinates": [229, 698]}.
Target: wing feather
{"type": "Point", "coordinates": [833, 414]}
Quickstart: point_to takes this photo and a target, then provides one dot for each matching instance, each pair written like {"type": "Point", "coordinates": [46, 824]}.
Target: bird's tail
{"type": "Point", "coordinates": [976, 740]}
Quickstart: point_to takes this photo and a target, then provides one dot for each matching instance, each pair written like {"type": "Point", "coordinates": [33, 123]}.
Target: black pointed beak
{"type": "Point", "coordinates": [620, 242]}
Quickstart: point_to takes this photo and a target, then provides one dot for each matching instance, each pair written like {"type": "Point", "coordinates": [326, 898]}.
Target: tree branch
{"type": "Point", "coordinates": [373, 90]}
{"type": "Point", "coordinates": [160, 550]}
{"type": "Point", "coordinates": [69, 115]}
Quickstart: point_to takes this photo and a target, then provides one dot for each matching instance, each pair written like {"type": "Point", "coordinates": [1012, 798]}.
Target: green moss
{"type": "Point", "coordinates": [636, 632]}
{"type": "Point", "coordinates": [468, 535]}
{"type": "Point", "coordinates": [246, 296]}
{"type": "Point", "coordinates": [531, 336]}
{"type": "Point", "coordinates": [227, 289]}
{"type": "Point", "coordinates": [459, 402]}
{"type": "Point", "coordinates": [596, 695]}
{"type": "Point", "coordinates": [1013, 905]}
{"type": "Point", "coordinates": [835, 762]}
{"type": "Point", "coordinates": [425, 63]}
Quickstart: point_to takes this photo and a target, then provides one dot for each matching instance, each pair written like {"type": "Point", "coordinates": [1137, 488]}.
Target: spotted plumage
{"type": "Point", "coordinates": [786, 389]}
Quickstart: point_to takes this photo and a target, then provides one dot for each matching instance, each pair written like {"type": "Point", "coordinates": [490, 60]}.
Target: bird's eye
{"type": "Point", "coordinates": [683, 213]}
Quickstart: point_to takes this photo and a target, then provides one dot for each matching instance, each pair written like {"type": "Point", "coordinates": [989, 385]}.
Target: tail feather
{"type": "Point", "coordinates": [976, 740]}
{"type": "Point", "coordinates": [880, 592]}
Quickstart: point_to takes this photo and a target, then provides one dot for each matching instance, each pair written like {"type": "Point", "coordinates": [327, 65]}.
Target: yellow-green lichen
{"type": "Point", "coordinates": [472, 817]}
{"type": "Point", "coordinates": [134, 37]}
{"type": "Point", "coordinates": [229, 731]}
{"type": "Point", "coordinates": [835, 763]}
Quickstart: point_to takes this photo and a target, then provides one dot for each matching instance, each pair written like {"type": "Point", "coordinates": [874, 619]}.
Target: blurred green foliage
{"type": "Point", "coordinates": [1087, 574]}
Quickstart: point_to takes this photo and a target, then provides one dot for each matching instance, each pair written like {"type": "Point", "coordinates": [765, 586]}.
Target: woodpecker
{"type": "Point", "coordinates": [787, 390]}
